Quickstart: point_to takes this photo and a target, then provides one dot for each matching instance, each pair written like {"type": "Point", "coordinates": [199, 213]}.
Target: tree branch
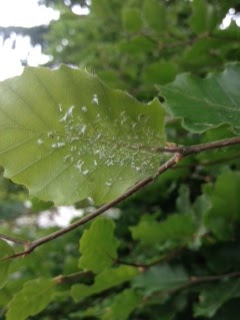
{"type": "Point", "coordinates": [186, 151]}
{"type": "Point", "coordinates": [198, 280]}
{"type": "Point", "coordinates": [168, 257]}
{"type": "Point", "coordinates": [179, 153]}
{"type": "Point", "coordinates": [13, 239]}
{"type": "Point", "coordinates": [33, 245]}
{"type": "Point", "coordinates": [83, 276]}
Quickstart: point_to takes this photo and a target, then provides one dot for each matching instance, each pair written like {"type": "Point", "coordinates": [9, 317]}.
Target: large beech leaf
{"type": "Point", "coordinates": [5, 251]}
{"type": "Point", "coordinates": [98, 246]}
{"type": "Point", "coordinates": [108, 278]}
{"type": "Point", "coordinates": [206, 103]}
{"type": "Point", "coordinates": [67, 136]}
{"type": "Point", "coordinates": [33, 298]}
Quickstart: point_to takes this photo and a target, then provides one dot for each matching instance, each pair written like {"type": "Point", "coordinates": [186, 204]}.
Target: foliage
{"type": "Point", "coordinates": [170, 251]}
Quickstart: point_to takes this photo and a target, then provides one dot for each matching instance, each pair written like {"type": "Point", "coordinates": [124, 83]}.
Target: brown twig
{"type": "Point", "coordinates": [208, 163]}
{"type": "Point", "coordinates": [199, 280]}
{"type": "Point", "coordinates": [168, 257]}
{"type": "Point", "coordinates": [179, 153]}
{"type": "Point", "coordinates": [186, 151]}
{"type": "Point", "coordinates": [13, 239]}
{"type": "Point", "coordinates": [33, 245]}
{"type": "Point", "coordinates": [75, 277]}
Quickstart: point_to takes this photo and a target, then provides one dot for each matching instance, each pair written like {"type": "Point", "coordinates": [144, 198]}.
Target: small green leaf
{"type": "Point", "coordinates": [202, 55]}
{"type": "Point", "coordinates": [232, 32]}
{"type": "Point", "coordinates": [5, 251]}
{"type": "Point", "coordinates": [33, 298]}
{"type": "Point", "coordinates": [131, 19]}
{"type": "Point", "coordinates": [160, 72]}
{"type": "Point", "coordinates": [224, 216]}
{"type": "Point", "coordinates": [123, 305]}
{"type": "Point", "coordinates": [183, 202]}
{"type": "Point", "coordinates": [98, 246]}
{"type": "Point", "coordinates": [67, 136]}
{"type": "Point", "coordinates": [136, 46]}
{"type": "Point", "coordinates": [204, 17]}
{"type": "Point", "coordinates": [215, 296]}
{"type": "Point", "coordinates": [206, 103]}
{"type": "Point", "coordinates": [223, 257]}
{"type": "Point", "coordinates": [108, 278]}
{"type": "Point", "coordinates": [177, 229]}
{"type": "Point", "coordinates": [160, 278]}
{"type": "Point", "coordinates": [154, 13]}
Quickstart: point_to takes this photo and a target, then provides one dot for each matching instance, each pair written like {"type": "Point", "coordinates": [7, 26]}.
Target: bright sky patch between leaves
{"type": "Point", "coordinates": [24, 13]}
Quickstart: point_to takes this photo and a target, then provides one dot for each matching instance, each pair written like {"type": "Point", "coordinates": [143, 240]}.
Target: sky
{"type": "Point", "coordinates": [27, 13]}
{"type": "Point", "coordinates": [24, 13]}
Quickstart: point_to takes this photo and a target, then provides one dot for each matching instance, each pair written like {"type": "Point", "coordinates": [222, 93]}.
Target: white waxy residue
{"type": "Point", "coordinates": [95, 99]}
{"type": "Point", "coordinates": [79, 165]}
{"type": "Point", "coordinates": [39, 141]}
{"type": "Point", "coordinates": [58, 145]}
{"type": "Point", "coordinates": [69, 113]}
{"type": "Point", "coordinates": [83, 129]}
{"type": "Point", "coordinates": [50, 134]}
{"type": "Point", "coordinates": [85, 172]}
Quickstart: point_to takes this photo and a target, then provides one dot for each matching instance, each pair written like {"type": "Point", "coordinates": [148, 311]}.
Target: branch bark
{"type": "Point", "coordinates": [179, 153]}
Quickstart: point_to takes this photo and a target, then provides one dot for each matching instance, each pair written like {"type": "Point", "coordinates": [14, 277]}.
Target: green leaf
{"type": "Point", "coordinates": [160, 72]}
{"type": "Point", "coordinates": [154, 13]}
{"type": "Point", "coordinates": [136, 46]}
{"type": "Point", "coordinates": [229, 311]}
{"type": "Point", "coordinates": [205, 54]}
{"type": "Point", "coordinates": [67, 136]}
{"type": "Point", "coordinates": [232, 32]}
{"type": "Point", "coordinates": [33, 298]}
{"type": "Point", "coordinates": [224, 216]}
{"type": "Point", "coordinates": [204, 17]}
{"type": "Point", "coordinates": [223, 257]}
{"type": "Point", "coordinates": [101, 9]}
{"type": "Point", "coordinates": [206, 103]}
{"type": "Point", "coordinates": [123, 305]}
{"type": "Point", "coordinates": [160, 278]}
{"type": "Point", "coordinates": [215, 296]}
{"type": "Point", "coordinates": [5, 251]}
{"type": "Point", "coordinates": [177, 229]}
{"type": "Point", "coordinates": [222, 132]}
{"type": "Point", "coordinates": [98, 246]}
{"type": "Point", "coordinates": [183, 202]}
{"type": "Point", "coordinates": [108, 278]}
{"type": "Point", "coordinates": [131, 19]}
